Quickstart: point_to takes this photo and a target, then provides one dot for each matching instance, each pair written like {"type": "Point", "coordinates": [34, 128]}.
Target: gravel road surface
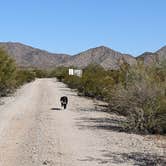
{"type": "Point", "coordinates": [35, 131]}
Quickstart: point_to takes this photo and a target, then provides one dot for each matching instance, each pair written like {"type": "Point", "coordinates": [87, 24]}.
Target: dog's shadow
{"type": "Point", "coordinates": [57, 109]}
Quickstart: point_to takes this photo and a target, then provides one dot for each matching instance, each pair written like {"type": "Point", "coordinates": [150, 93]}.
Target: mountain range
{"type": "Point", "coordinates": [29, 57]}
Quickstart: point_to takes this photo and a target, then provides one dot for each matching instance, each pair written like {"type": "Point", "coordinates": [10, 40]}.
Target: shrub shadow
{"type": "Point", "coordinates": [96, 109]}
{"type": "Point", "coordinates": [141, 159]}
{"type": "Point", "coordinates": [111, 124]}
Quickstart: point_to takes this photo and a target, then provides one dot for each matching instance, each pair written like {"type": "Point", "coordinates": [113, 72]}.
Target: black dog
{"type": "Point", "coordinates": [64, 101]}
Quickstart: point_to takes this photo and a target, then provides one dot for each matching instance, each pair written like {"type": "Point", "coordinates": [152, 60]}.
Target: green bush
{"type": "Point", "coordinates": [93, 81]}
{"type": "Point", "coordinates": [7, 74]}
{"type": "Point", "coordinates": [39, 73]}
{"type": "Point", "coordinates": [73, 82]}
{"type": "Point", "coordinates": [23, 76]}
{"type": "Point", "coordinates": [60, 73]}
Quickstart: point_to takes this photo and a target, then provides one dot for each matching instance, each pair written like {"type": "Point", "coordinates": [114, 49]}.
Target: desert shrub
{"type": "Point", "coordinates": [142, 99]}
{"type": "Point", "coordinates": [39, 73]}
{"type": "Point", "coordinates": [73, 82]}
{"type": "Point", "coordinates": [23, 76]}
{"type": "Point", "coordinates": [98, 82]}
{"type": "Point", "coordinates": [60, 73]}
{"type": "Point", "coordinates": [92, 81]}
{"type": "Point", "coordinates": [7, 73]}
{"type": "Point", "coordinates": [10, 76]}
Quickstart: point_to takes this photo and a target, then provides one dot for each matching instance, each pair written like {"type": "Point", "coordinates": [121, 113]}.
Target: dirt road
{"type": "Point", "coordinates": [34, 131]}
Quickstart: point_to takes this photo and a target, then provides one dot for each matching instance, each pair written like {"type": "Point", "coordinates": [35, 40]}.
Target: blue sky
{"type": "Point", "coordinates": [71, 26]}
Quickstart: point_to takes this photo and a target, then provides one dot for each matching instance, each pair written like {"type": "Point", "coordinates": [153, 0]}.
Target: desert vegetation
{"type": "Point", "coordinates": [137, 92]}
{"type": "Point", "coordinates": [142, 98]}
{"type": "Point", "coordinates": [11, 77]}
{"type": "Point", "coordinates": [7, 74]}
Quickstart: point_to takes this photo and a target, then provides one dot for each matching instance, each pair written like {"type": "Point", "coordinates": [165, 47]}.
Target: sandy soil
{"type": "Point", "coordinates": [35, 131]}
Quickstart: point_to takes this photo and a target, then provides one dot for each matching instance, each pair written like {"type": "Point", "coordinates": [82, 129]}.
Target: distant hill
{"type": "Point", "coordinates": [161, 53]}
{"type": "Point", "coordinates": [104, 56]}
{"type": "Point", "coordinates": [28, 57]}
{"type": "Point", "coordinates": [150, 57]}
